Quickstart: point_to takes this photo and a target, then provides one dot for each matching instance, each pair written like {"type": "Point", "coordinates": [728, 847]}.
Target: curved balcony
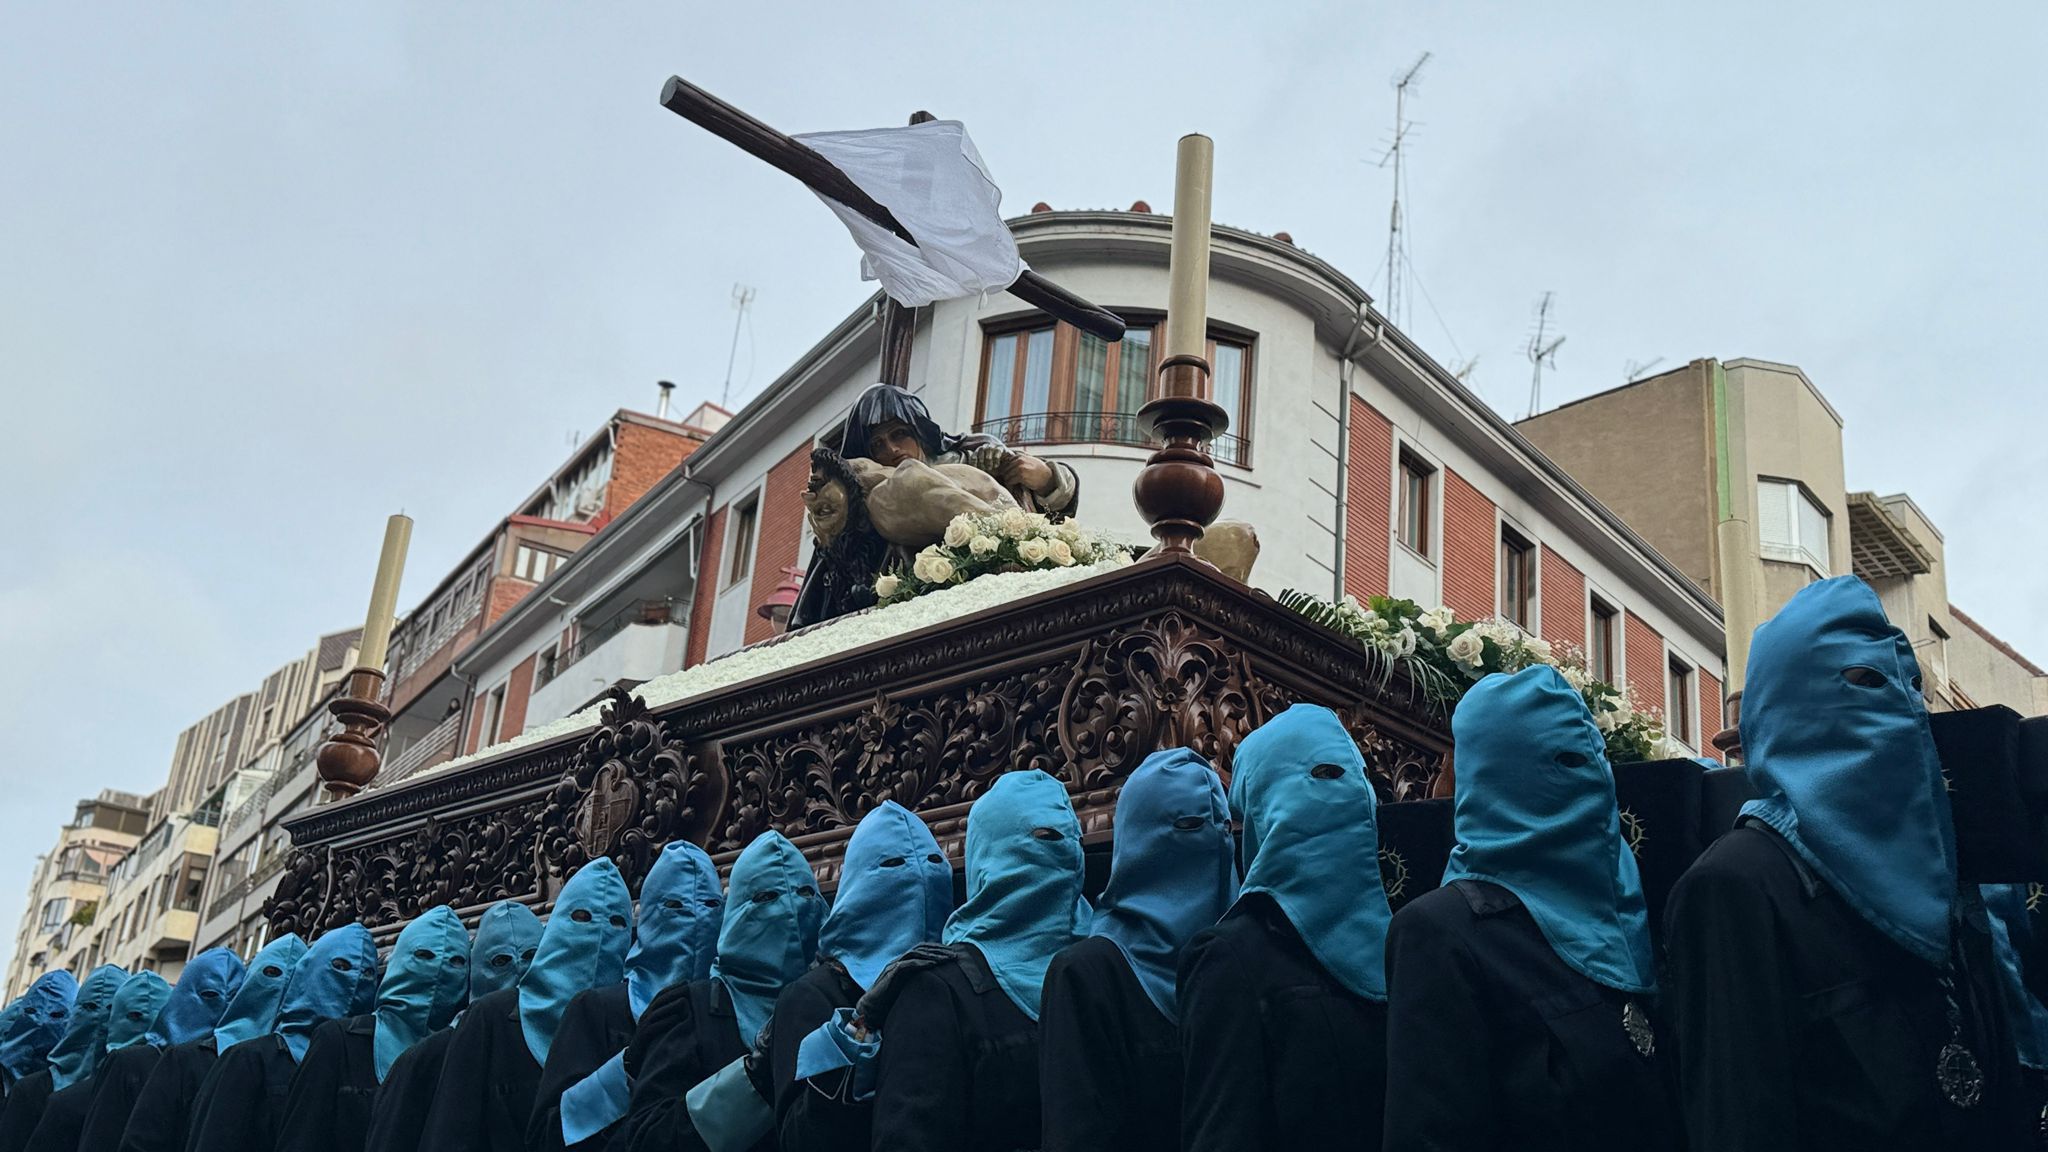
{"type": "Point", "coordinates": [1099, 428]}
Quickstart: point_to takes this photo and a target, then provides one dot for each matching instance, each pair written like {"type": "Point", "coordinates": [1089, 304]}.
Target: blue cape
{"type": "Point", "coordinates": [583, 946]}
{"type": "Point", "coordinates": [424, 985]}
{"type": "Point", "coordinates": [1536, 814]}
{"type": "Point", "coordinates": [202, 994]}
{"type": "Point", "coordinates": [506, 936]}
{"type": "Point", "coordinates": [136, 1007]}
{"type": "Point", "coordinates": [78, 1053]}
{"type": "Point", "coordinates": [1024, 872]}
{"type": "Point", "coordinates": [336, 977]}
{"type": "Point", "coordinates": [895, 891]}
{"type": "Point", "coordinates": [35, 1022]}
{"type": "Point", "coordinates": [1172, 871]}
{"type": "Point", "coordinates": [2012, 929]}
{"type": "Point", "coordinates": [253, 1010]}
{"type": "Point", "coordinates": [1311, 841]}
{"type": "Point", "coordinates": [770, 932]}
{"type": "Point", "coordinates": [1836, 741]}
{"type": "Point", "coordinates": [677, 933]}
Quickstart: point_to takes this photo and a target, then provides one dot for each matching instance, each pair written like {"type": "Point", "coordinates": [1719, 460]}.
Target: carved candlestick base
{"type": "Point", "coordinates": [349, 760]}
{"type": "Point", "coordinates": [1179, 492]}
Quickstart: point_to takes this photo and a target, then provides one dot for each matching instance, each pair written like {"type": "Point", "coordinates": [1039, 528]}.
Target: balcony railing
{"type": "Point", "coordinates": [413, 758]}
{"type": "Point", "coordinates": [593, 636]}
{"type": "Point", "coordinates": [1100, 428]}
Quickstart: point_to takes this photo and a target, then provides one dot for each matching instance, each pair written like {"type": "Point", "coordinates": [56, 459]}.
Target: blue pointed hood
{"type": "Point", "coordinates": [2012, 931]}
{"type": "Point", "coordinates": [200, 998]}
{"type": "Point", "coordinates": [337, 977]}
{"type": "Point", "coordinates": [136, 1007]}
{"type": "Point", "coordinates": [35, 1022]}
{"type": "Point", "coordinates": [769, 934]}
{"type": "Point", "coordinates": [1024, 874]}
{"type": "Point", "coordinates": [1172, 871]}
{"type": "Point", "coordinates": [1311, 840]}
{"type": "Point", "coordinates": [895, 892]}
{"type": "Point", "coordinates": [583, 946]}
{"type": "Point", "coordinates": [1536, 814]}
{"type": "Point", "coordinates": [252, 1012]}
{"type": "Point", "coordinates": [425, 984]}
{"type": "Point", "coordinates": [77, 1055]}
{"type": "Point", "coordinates": [1836, 743]}
{"type": "Point", "coordinates": [676, 934]}
{"type": "Point", "coordinates": [506, 937]}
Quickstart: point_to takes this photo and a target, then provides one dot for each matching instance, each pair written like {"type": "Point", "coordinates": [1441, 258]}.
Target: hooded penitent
{"type": "Point", "coordinates": [1173, 870]}
{"type": "Point", "coordinates": [895, 891]}
{"type": "Point", "coordinates": [583, 946]}
{"type": "Point", "coordinates": [1024, 873]}
{"type": "Point", "coordinates": [252, 1012]}
{"type": "Point", "coordinates": [424, 986]}
{"type": "Point", "coordinates": [36, 1022]}
{"type": "Point", "coordinates": [770, 931]}
{"type": "Point", "coordinates": [200, 999]}
{"type": "Point", "coordinates": [677, 933]}
{"type": "Point", "coordinates": [1536, 815]}
{"type": "Point", "coordinates": [1835, 740]}
{"type": "Point", "coordinates": [336, 977]}
{"type": "Point", "coordinates": [1311, 841]}
{"type": "Point", "coordinates": [78, 1053]}
{"type": "Point", "coordinates": [506, 937]}
{"type": "Point", "coordinates": [2012, 932]}
{"type": "Point", "coordinates": [136, 1007]}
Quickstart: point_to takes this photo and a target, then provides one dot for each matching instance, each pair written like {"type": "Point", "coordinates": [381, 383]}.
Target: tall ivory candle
{"type": "Point", "coordinates": [1187, 295]}
{"type": "Point", "coordinates": [384, 594]}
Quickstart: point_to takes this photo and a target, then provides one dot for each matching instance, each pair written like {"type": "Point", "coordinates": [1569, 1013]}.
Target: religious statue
{"type": "Point", "coordinates": [891, 488]}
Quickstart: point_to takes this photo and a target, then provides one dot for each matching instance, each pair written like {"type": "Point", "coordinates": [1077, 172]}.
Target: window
{"type": "Point", "coordinates": [1678, 701]}
{"type": "Point", "coordinates": [535, 564]}
{"type": "Point", "coordinates": [742, 561]}
{"type": "Point", "coordinates": [494, 713]}
{"type": "Point", "coordinates": [1602, 623]}
{"type": "Point", "coordinates": [1051, 384]}
{"type": "Point", "coordinates": [547, 665]}
{"type": "Point", "coordinates": [1412, 505]}
{"type": "Point", "coordinates": [53, 913]}
{"type": "Point", "coordinates": [1517, 579]}
{"type": "Point", "coordinates": [1790, 525]}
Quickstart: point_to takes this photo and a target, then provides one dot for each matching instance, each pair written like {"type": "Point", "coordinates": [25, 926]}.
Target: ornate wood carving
{"type": "Point", "coordinates": [1082, 683]}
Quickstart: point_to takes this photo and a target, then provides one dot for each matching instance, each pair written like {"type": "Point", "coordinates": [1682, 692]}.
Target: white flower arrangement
{"type": "Point", "coordinates": [1009, 541]}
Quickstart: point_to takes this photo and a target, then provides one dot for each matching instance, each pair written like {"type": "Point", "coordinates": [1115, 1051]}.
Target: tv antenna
{"type": "Point", "coordinates": [1394, 152]}
{"type": "Point", "coordinates": [742, 299]}
{"type": "Point", "coordinates": [1541, 351]}
{"type": "Point", "coordinates": [1634, 370]}
{"type": "Point", "coordinates": [1462, 369]}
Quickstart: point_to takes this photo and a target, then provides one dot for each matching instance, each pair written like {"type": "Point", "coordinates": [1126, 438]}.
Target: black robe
{"type": "Point", "coordinates": [595, 1027]}
{"type": "Point", "coordinates": [1109, 1064]}
{"type": "Point", "coordinates": [1277, 1054]}
{"type": "Point", "coordinates": [117, 1084]}
{"type": "Point", "coordinates": [806, 1119]}
{"type": "Point", "coordinates": [64, 1117]}
{"type": "Point", "coordinates": [1501, 1045]}
{"type": "Point", "coordinates": [242, 1099]}
{"type": "Point", "coordinates": [959, 1064]}
{"type": "Point", "coordinates": [328, 1106]}
{"type": "Point", "coordinates": [1799, 1026]}
{"type": "Point", "coordinates": [162, 1116]}
{"type": "Point", "coordinates": [687, 1033]}
{"type": "Point", "coordinates": [398, 1115]}
{"type": "Point", "coordinates": [25, 1104]}
{"type": "Point", "coordinates": [488, 1082]}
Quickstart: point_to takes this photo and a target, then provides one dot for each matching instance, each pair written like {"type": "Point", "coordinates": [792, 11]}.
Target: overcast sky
{"type": "Point", "coordinates": [267, 276]}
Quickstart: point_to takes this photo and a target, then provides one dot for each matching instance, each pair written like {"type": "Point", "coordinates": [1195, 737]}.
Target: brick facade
{"type": "Point", "coordinates": [778, 533]}
{"type": "Point", "coordinates": [707, 590]}
{"type": "Point", "coordinates": [1645, 658]}
{"type": "Point", "coordinates": [1469, 549]}
{"type": "Point", "coordinates": [1561, 595]}
{"type": "Point", "coordinates": [1369, 497]}
{"type": "Point", "coordinates": [517, 689]}
{"type": "Point", "coordinates": [1711, 720]}
{"type": "Point", "coordinates": [505, 592]}
{"type": "Point", "coordinates": [640, 458]}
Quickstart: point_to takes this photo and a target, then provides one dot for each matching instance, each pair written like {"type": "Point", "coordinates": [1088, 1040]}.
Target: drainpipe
{"type": "Point", "coordinates": [1344, 367]}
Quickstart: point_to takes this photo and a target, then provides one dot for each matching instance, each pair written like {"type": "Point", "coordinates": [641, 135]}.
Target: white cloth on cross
{"type": "Point", "coordinates": [932, 180]}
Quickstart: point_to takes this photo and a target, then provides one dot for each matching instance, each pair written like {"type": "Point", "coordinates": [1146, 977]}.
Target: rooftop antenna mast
{"type": "Point", "coordinates": [1393, 154]}
{"type": "Point", "coordinates": [742, 298]}
{"type": "Point", "coordinates": [1634, 370]}
{"type": "Point", "coordinates": [1541, 352]}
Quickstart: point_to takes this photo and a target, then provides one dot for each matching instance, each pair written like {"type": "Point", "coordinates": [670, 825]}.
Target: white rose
{"type": "Point", "coordinates": [887, 585]}
{"type": "Point", "coordinates": [1438, 619]}
{"type": "Point", "coordinates": [984, 545]}
{"type": "Point", "coordinates": [1068, 531]}
{"type": "Point", "coordinates": [959, 532]}
{"type": "Point", "coordinates": [1607, 719]}
{"type": "Point", "coordinates": [1041, 524]}
{"type": "Point", "coordinates": [939, 570]}
{"type": "Point", "coordinates": [1060, 552]}
{"type": "Point", "coordinates": [1467, 648]}
{"type": "Point", "coordinates": [1032, 551]}
{"type": "Point", "coordinates": [1540, 649]}
{"type": "Point", "coordinates": [1016, 524]}
{"type": "Point", "coordinates": [922, 567]}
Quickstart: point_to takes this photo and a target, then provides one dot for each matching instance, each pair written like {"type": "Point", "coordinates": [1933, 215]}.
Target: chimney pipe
{"type": "Point", "coordinates": [661, 407]}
